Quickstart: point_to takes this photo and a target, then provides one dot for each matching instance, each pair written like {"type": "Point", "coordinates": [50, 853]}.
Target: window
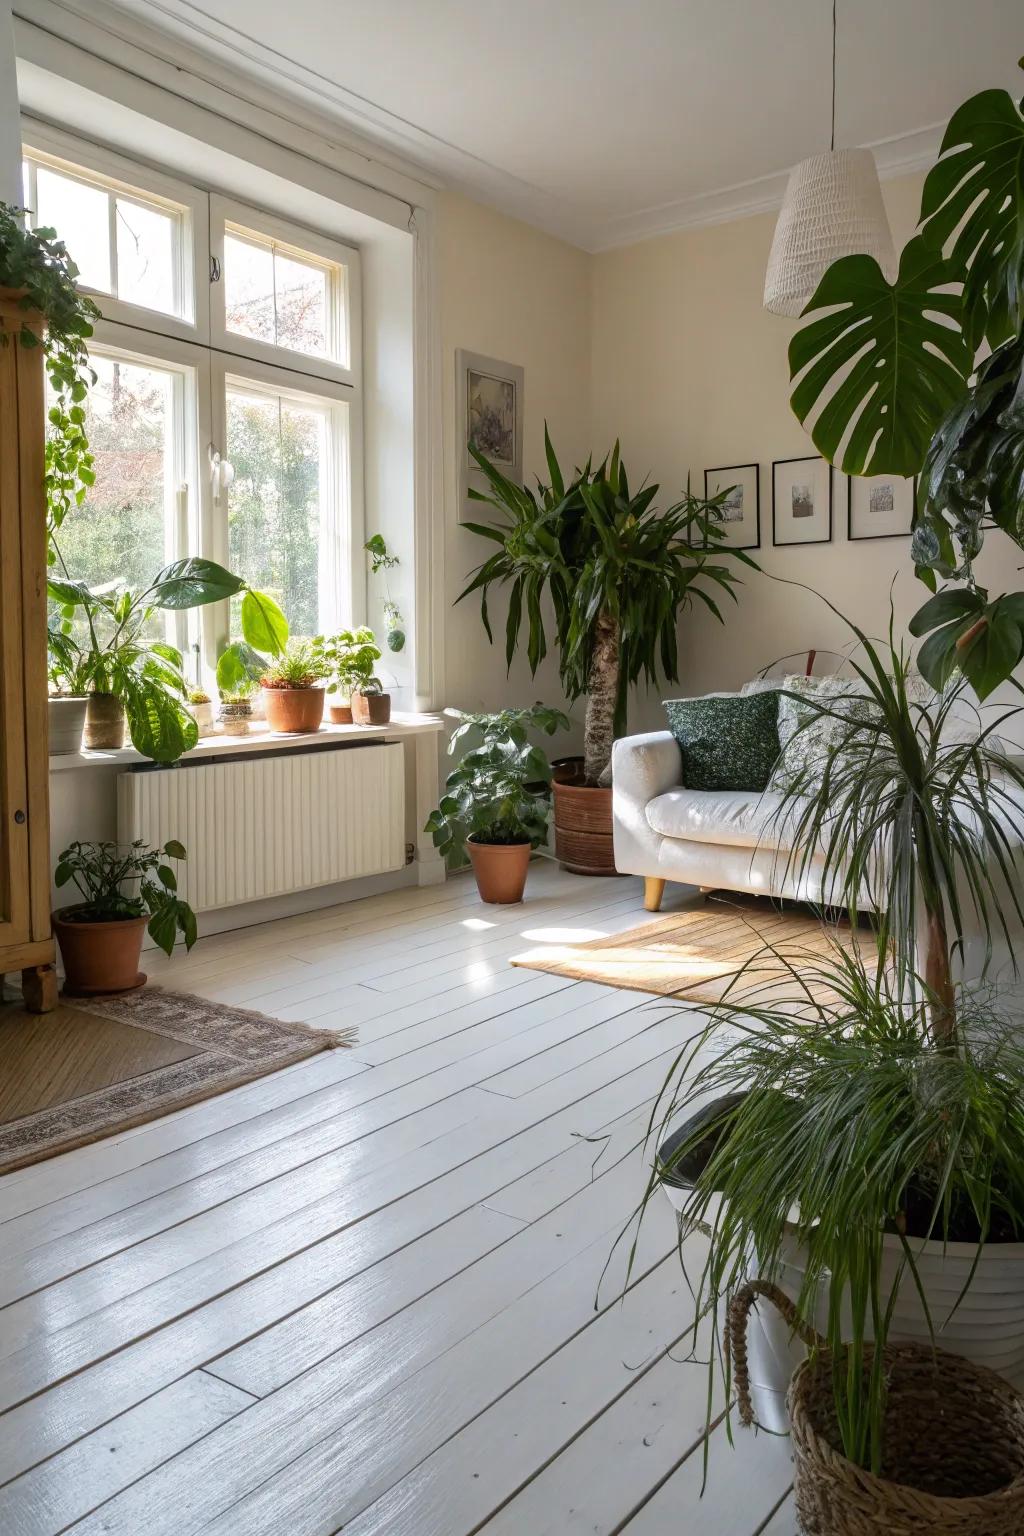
{"type": "Point", "coordinates": [225, 418]}
{"type": "Point", "coordinates": [133, 245]}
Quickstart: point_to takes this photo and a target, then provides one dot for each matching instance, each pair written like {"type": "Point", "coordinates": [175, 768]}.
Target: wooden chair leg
{"type": "Point", "coordinates": [654, 890]}
{"type": "Point", "coordinates": [39, 988]}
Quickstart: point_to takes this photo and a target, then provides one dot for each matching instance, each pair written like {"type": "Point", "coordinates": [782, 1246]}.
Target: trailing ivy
{"type": "Point", "coordinates": [36, 264]}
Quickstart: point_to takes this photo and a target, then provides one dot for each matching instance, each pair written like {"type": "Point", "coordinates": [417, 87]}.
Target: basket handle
{"type": "Point", "coordinates": [736, 1335]}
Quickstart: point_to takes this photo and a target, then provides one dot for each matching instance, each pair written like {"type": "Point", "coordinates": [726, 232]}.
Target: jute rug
{"type": "Point", "coordinates": [697, 954]}
{"type": "Point", "coordinates": [97, 1067]}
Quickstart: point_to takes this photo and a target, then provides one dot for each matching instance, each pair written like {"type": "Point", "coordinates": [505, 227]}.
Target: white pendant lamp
{"type": "Point", "coordinates": [833, 207]}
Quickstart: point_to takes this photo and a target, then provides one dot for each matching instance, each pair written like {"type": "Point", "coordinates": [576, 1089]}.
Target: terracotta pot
{"type": "Point", "coordinates": [583, 822]}
{"type": "Point", "coordinates": [500, 869]}
{"type": "Point", "coordinates": [371, 708]}
{"type": "Point", "coordinates": [99, 957]}
{"type": "Point", "coordinates": [293, 710]}
{"type": "Point", "coordinates": [66, 722]}
{"type": "Point", "coordinates": [340, 714]}
{"type": "Point", "coordinates": [104, 723]}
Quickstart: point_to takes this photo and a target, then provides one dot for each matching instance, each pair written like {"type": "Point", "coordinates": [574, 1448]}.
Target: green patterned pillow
{"type": "Point", "coordinates": [727, 740]}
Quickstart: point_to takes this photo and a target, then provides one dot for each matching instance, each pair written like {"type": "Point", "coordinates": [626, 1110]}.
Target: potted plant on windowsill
{"type": "Point", "coordinates": [200, 707]}
{"type": "Point", "coordinates": [489, 813]}
{"type": "Point", "coordinates": [236, 709]}
{"type": "Point", "coordinates": [68, 696]}
{"type": "Point", "coordinates": [618, 573]}
{"type": "Point", "coordinates": [293, 693]}
{"type": "Point", "coordinates": [126, 888]}
{"type": "Point", "coordinates": [134, 679]}
{"type": "Point", "coordinates": [348, 659]}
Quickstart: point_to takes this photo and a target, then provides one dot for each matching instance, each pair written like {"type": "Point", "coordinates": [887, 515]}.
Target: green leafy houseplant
{"type": "Point", "coordinates": [879, 1100]}
{"type": "Point", "coordinates": [118, 657]}
{"type": "Point", "coordinates": [499, 791]}
{"type": "Point", "coordinates": [853, 1141]}
{"type": "Point", "coordinates": [348, 659]}
{"type": "Point", "coordinates": [889, 379]}
{"type": "Point", "coordinates": [298, 666]}
{"type": "Point", "coordinates": [36, 263]}
{"type": "Point", "coordinates": [618, 573]}
{"type": "Point", "coordinates": [126, 880]}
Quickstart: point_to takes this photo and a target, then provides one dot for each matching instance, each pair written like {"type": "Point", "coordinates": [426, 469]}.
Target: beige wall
{"type": "Point", "coordinates": [666, 345]}
{"type": "Point", "coordinates": [513, 293]}
{"type": "Point", "coordinates": [691, 372]}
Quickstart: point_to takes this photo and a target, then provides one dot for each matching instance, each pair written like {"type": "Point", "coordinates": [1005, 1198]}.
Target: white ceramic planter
{"type": "Point", "coordinates": [987, 1326]}
{"type": "Point", "coordinates": [205, 717]}
{"type": "Point", "coordinates": [65, 723]}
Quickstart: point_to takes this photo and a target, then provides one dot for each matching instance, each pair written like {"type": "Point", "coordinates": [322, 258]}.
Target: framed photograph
{"type": "Point", "coordinates": [801, 501]}
{"type": "Point", "coordinates": [488, 415]}
{"type": "Point", "coordinates": [879, 506]}
{"type": "Point", "coordinates": [741, 513]}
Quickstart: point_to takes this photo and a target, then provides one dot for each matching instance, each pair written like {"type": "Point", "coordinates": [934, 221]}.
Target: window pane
{"type": "Point", "coordinates": [145, 256]}
{"type": "Point", "coordinates": [118, 534]}
{"type": "Point", "coordinates": [277, 448]}
{"type": "Point", "coordinates": [249, 289]}
{"type": "Point", "coordinates": [79, 214]}
{"type": "Point", "coordinates": [301, 305]}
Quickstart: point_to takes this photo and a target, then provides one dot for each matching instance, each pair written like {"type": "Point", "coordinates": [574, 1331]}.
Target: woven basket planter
{"type": "Point", "coordinates": [953, 1441]}
{"type": "Point", "coordinates": [583, 822]}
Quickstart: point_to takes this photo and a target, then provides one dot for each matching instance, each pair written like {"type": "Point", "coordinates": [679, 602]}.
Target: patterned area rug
{"type": "Point", "coordinates": [695, 955]}
{"type": "Point", "coordinates": [214, 1047]}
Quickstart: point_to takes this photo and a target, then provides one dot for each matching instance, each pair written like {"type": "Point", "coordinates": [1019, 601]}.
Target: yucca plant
{"type": "Point", "coordinates": [852, 1126]}
{"type": "Point", "coordinates": [905, 819]}
{"type": "Point", "coordinates": [618, 572]}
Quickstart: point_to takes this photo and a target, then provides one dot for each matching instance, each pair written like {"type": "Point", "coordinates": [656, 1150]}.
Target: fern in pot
{"type": "Point", "coordinates": [293, 692]}
{"type": "Point", "coordinates": [494, 810]}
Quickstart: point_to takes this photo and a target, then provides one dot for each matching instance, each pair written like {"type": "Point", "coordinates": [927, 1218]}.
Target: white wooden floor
{"type": "Point", "coordinates": [359, 1295]}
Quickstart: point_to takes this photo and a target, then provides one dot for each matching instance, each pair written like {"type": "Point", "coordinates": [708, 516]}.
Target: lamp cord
{"type": "Point", "coordinates": [832, 143]}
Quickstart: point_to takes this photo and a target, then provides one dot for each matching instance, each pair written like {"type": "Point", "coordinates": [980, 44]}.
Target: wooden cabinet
{"type": "Point", "coordinates": [26, 943]}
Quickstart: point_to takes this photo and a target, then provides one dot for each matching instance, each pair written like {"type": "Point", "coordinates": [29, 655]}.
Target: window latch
{"type": "Point", "coordinates": [214, 268]}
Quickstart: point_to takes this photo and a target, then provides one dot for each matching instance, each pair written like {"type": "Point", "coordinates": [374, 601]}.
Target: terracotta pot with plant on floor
{"type": "Point", "coordinates": [127, 890]}
{"type": "Point", "coordinates": [619, 572]}
{"type": "Point", "coordinates": [494, 809]}
{"type": "Point", "coordinates": [293, 694]}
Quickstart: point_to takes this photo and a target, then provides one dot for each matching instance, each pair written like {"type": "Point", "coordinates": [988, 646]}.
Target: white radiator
{"type": "Point", "coordinates": [263, 826]}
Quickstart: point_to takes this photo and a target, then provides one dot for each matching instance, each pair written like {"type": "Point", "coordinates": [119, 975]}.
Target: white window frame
{"type": "Point", "coordinates": [346, 305]}
{"type": "Point", "coordinates": [151, 188]}
{"type": "Point", "coordinates": [344, 471]}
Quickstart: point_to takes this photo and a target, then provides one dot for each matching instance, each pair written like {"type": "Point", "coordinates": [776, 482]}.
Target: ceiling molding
{"type": "Point", "coordinates": [182, 34]}
{"type": "Point", "coordinates": [914, 151]}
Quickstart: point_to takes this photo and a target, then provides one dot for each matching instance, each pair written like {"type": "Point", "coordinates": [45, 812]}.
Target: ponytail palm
{"type": "Point", "coordinates": [618, 573]}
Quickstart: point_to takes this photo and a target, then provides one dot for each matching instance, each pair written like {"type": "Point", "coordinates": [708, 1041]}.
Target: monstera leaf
{"type": "Point", "coordinates": [876, 375]}
{"type": "Point", "coordinates": [974, 196]}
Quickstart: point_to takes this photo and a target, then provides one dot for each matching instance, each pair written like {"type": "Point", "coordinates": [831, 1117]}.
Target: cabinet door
{"type": "Point", "coordinates": [15, 916]}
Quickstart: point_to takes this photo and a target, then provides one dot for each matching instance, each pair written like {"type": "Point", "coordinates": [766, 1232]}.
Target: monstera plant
{"type": "Point", "coordinates": [924, 377]}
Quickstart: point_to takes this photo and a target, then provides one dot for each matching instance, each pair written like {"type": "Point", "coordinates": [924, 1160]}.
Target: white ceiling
{"type": "Point", "coordinates": [606, 120]}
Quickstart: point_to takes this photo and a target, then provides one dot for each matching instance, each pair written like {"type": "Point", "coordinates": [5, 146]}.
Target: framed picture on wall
{"type": "Point", "coordinates": [879, 506]}
{"type": "Point", "coordinates": [488, 415]}
{"type": "Point", "coordinates": [801, 501]}
{"type": "Point", "coordinates": [741, 510]}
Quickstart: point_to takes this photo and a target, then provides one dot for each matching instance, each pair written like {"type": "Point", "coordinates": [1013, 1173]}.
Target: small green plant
{"type": "Point", "coordinates": [299, 666]}
{"type": "Point", "coordinates": [120, 880]}
{"type": "Point", "coordinates": [348, 659]}
{"type": "Point", "coordinates": [35, 261]}
{"type": "Point", "coordinates": [66, 670]}
{"type": "Point", "coordinates": [381, 558]}
{"type": "Point", "coordinates": [500, 790]}
{"type": "Point", "coordinates": [197, 696]}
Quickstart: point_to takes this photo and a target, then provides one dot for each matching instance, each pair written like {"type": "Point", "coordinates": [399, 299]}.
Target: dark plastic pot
{"type": "Point", "coordinates": [371, 708]}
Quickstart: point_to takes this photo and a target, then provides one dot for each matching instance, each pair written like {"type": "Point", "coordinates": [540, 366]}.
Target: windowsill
{"type": "Point", "coordinates": [260, 739]}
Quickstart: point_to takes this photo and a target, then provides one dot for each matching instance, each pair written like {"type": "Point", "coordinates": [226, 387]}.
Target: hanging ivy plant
{"type": "Point", "coordinates": [37, 265]}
